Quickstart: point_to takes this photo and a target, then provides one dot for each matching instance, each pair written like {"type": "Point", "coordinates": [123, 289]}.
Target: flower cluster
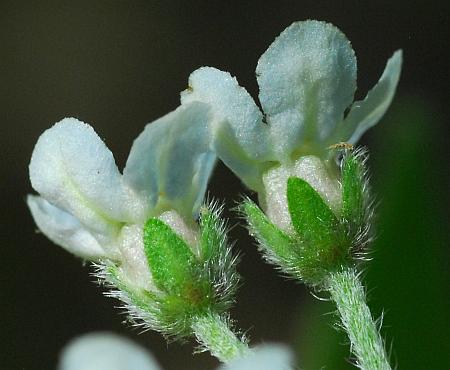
{"type": "Point", "coordinates": [165, 254]}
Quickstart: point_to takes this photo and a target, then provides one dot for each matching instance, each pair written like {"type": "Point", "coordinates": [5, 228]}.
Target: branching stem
{"type": "Point", "coordinates": [366, 343]}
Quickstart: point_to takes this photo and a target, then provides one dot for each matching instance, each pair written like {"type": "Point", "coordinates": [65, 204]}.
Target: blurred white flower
{"type": "Point", "coordinates": [307, 80]}
{"type": "Point", "coordinates": [105, 351]}
{"type": "Point", "coordinates": [264, 357]}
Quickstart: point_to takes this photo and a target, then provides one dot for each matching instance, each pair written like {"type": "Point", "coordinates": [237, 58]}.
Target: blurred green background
{"type": "Point", "coordinates": [120, 64]}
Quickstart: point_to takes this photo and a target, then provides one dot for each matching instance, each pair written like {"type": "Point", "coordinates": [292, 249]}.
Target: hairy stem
{"type": "Point", "coordinates": [366, 343]}
{"type": "Point", "coordinates": [214, 334]}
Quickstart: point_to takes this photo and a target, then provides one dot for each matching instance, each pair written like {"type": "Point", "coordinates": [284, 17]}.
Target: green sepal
{"type": "Point", "coordinates": [314, 222]}
{"type": "Point", "coordinates": [357, 203]}
{"type": "Point", "coordinates": [186, 290]}
{"type": "Point", "coordinates": [212, 236]}
{"type": "Point", "coordinates": [140, 298]}
{"type": "Point", "coordinates": [353, 189]}
{"type": "Point", "coordinates": [323, 243]}
{"type": "Point", "coordinates": [271, 239]}
{"type": "Point", "coordinates": [217, 259]}
{"type": "Point", "coordinates": [170, 259]}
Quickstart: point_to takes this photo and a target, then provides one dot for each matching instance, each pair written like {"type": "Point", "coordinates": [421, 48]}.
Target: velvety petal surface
{"type": "Point", "coordinates": [366, 113]}
{"type": "Point", "coordinates": [233, 103]}
{"type": "Point", "coordinates": [171, 160]}
{"type": "Point", "coordinates": [73, 169]}
{"type": "Point", "coordinates": [307, 78]}
{"type": "Point", "coordinates": [105, 351]}
{"type": "Point", "coordinates": [240, 136]}
{"type": "Point", "coordinates": [267, 357]}
{"type": "Point", "coordinates": [65, 230]}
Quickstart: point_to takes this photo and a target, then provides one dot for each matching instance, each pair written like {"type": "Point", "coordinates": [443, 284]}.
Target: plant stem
{"type": "Point", "coordinates": [214, 334]}
{"type": "Point", "coordinates": [366, 343]}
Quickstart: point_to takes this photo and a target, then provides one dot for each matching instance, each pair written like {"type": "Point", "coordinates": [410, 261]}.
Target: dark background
{"type": "Point", "coordinates": [120, 64]}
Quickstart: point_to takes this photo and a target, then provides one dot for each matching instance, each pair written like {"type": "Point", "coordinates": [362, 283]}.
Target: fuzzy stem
{"type": "Point", "coordinates": [366, 343]}
{"type": "Point", "coordinates": [214, 334]}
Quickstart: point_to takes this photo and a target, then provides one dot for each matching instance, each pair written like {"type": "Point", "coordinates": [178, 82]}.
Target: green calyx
{"type": "Point", "coordinates": [322, 241]}
{"type": "Point", "coordinates": [189, 285]}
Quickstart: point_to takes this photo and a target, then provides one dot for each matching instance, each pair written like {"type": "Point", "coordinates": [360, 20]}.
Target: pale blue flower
{"type": "Point", "coordinates": [105, 351]}
{"type": "Point", "coordinates": [89, 208]}
{"type": "Point", "coordinates": [307, 80]}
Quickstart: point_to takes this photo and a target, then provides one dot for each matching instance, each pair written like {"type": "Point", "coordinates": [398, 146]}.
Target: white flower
{"type": "Point", "coordinates": [307, 80]}
{"type": "Point", "coordinates": [264, 357]}
{"type": "Point", "coordinates": [89, 208]}
{"type": "Point", "coordinates": [104, 351]}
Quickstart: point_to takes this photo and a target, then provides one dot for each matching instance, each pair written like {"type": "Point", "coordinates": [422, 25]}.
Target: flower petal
{"type": "Point", "coordinates": [134, 270]}
{"type": "Point", "coordinates": [240, 137]}
{"type": "Point", "coordinates": [73, 169]}
{"type": "Point", "coordinates": [235, 157]}
{"type": "Point", "coordinates": [65, 230]}
{"type": "Point", "coordinates": [171, 161]}
{"type": "Point", "coordinates": [366, 113]}
{"type": "Point", "coordinates": [267, 357]}
{"type": "Point", "coordinates": [105, 351]}
{"type": "Point", "coordinates": [307, 79]}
